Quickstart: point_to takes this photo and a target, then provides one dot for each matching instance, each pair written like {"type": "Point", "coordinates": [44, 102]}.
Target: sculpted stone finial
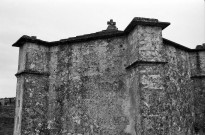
{"type": "Point", "coordinates": [200, 46]}
{"type": "Point", "coordinates": [111, 25]}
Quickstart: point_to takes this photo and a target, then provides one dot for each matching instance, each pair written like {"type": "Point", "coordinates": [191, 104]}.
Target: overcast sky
{"type": "Point", "coordinates": [51, 20]}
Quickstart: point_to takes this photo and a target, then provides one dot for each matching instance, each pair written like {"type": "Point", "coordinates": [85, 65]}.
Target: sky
{"type": "Point", "coordinates": [52, 20]}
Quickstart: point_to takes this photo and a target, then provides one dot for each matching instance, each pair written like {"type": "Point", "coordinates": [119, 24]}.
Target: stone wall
{"type": "Point", "coordinates": [198, 77]}
{"type": "Point", "coordinates": [89, 92]}
{"type": "Point", "coordinates": [179, 92]}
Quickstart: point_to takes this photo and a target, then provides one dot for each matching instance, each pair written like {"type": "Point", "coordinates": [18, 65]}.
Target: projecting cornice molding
{"type": "Point", "coordinates": [137, 63]}
{"type": "Point", "coordinates": [32, 72]}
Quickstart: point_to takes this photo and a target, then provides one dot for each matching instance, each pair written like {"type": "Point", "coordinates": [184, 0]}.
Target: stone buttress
{"type": "Point", "coordinates": [146, 77]}
{"type": "Point", "coordinates": [32, 89]}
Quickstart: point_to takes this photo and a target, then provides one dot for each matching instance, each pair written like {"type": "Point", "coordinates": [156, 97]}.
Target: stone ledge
{"type": "Point", "coordinates": [146, 22]}
{"type": "Point", "coordinates": [32, 72]}
{"type": "Point", "coordinates": [136, 63]}
{"type": "Point", "coordinates": [198, 76]}
{"type": "Point", "coordinates": [197, 50]}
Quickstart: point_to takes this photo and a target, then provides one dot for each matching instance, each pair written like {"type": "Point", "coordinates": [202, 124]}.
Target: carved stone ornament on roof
{"type": "Point", "coordinates": [111, 25]}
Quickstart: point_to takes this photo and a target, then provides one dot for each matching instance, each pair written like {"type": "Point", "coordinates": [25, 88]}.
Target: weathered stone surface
{"type": "Point", "coordinates": [179, 91]}
{"type": "Point", "coordinates": [198, 78]}
{"type": "Point", "coordinates": [87, 87]}
{"type": "Point", "coordinates": [110, 83]}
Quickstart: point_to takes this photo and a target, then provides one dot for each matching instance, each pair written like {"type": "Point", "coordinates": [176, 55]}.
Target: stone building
{"type": "Point", "coordinates": [112, 82]}
{"type": "Point", "coordinates": [7, 112]}
{"type": "Point", "coordinates": [7, 101]}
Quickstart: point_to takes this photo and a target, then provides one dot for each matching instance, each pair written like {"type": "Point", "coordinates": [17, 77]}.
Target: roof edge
{"type": "Point", "coordinates": [97, 35]}
{"type": "Point", "coordinates": [174, 44]}
{"type": "Point", "coordinates": [145, 21]}
{"type": "Point", "coordinates": [29, 39]}
{"type": "Point", "coordinates": [179, 46]}
{"type": "Point", "coordinates": [106, 34]}
{"type": "Point", "coordinates": [82, 38]}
